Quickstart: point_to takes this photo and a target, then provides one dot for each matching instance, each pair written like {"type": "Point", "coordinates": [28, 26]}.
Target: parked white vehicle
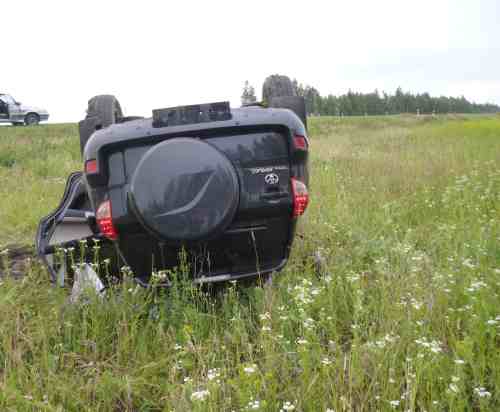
{"type": "Point", "coordinates": [17, 113]}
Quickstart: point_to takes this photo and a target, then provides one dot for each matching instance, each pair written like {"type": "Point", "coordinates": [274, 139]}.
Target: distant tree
{"type": "Point", "coordinates": [376, 103]}
{"type": "Point", "coordinates": [248, 95]}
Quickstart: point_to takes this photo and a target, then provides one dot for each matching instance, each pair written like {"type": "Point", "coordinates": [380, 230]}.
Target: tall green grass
{"type": "Point", "coordinates": [405, 316]}
{"type": "Point", "coordinates": [34, 163]}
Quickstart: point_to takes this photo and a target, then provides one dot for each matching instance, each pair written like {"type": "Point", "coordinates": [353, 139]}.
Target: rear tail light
{"type": "Point", "coordinates": [300, 197]}
{"type": "Point", "coordinates": [104, 220]}
{"type": "Point", "coordinates": [91, 166]}
{"type": "Point", "coordinates": [300, 142]}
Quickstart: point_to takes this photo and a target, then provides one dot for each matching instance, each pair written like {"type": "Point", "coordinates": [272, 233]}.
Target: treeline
{"type": "Point", "coordinates": [377, 103]}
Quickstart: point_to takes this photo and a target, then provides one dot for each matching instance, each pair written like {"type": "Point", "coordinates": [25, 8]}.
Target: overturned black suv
{"type": "Point", "coordinates": [218, 188]}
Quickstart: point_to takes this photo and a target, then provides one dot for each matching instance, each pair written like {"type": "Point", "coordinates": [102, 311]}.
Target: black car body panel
{"type": "Point", "coordinates": [215, 193]}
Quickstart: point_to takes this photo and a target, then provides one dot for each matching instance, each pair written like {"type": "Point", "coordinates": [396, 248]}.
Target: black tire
{"type": "Point", "coordinates": [31, 119]}
{"type": "Point", "coordinates": [277, 86]}
{"type": "Point", "coordinates": [17, 123]}
{"type": "Point", "coordinates": [279, 92]}
{"type": "Point", "coordinates": [102, 111]}
{"type": "Point", "coordinates": [107, 108]}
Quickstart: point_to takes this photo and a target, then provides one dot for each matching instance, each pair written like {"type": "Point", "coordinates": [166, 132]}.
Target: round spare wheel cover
{"type": "Point", "coordinates": [184, 189]}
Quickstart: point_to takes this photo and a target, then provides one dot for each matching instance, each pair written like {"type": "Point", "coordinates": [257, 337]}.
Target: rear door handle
{"type": "Point", "coordinates": [273, 195]}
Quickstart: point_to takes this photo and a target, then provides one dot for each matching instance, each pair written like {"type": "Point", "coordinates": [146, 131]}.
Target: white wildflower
{"type": "Point", "coordinates": [288, 406]}
{"type": "Point", "coordinates": [265, 316]}
{"type": "Point", "coordinates": [309, 323]}
{"type": "Point", "coordinates": [394, 404]}
{"type": "Point", "coordinates": [253, 405]}
{"type": "Point", "coordinates": [302, 341]}
{"type": "Point", "coordinates": [250, 369]}
{"type": "Point", "coordinates": [459, 361]}
{"type": "Point", "coordinates": [200, 395]}
{"type": "Point", "coordinates": [482, 392]}
{"type": "Point", "coordinates": [326, 361]}
{"type": "Point", "coordinates": [213, 374]}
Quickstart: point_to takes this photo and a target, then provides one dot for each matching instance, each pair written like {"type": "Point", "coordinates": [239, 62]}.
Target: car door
{"type": "Point", "coordinates": [15, 112]}
{"type": "Point", "coordinates": [4, 113]}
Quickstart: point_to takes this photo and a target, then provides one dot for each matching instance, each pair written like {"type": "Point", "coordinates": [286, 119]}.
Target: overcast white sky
{"type": "Point", "coordinates": [152, 54]}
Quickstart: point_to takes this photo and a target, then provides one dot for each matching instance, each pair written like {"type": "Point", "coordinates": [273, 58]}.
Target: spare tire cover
{"type": "Point", "coordinates": [185, 190]}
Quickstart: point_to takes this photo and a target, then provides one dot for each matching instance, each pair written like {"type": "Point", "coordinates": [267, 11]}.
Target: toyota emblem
{"type": "Point", "coordinates": [272, 179]}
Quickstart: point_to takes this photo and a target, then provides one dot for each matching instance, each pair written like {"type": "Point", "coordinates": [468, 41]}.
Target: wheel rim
{"type": "Point", "coordinates": [31, 120]}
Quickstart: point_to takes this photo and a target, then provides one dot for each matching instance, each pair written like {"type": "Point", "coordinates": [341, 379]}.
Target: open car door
{"type": "Point", "coordinates": [68, 238]}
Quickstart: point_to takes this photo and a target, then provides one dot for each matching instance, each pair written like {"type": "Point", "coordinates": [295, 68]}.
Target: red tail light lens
{"type": "Point", "coordinates": [104, 220]}
{"type": "Point", "coordinates": [300, 142]}
{"type": "Point", "coordinates": [91, 166]}
{"type": "Point", "coordinates": [300, 197]}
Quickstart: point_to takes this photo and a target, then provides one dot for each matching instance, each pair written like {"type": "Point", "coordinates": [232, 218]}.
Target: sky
{"type": "Point", "coordinates": [161, 53]}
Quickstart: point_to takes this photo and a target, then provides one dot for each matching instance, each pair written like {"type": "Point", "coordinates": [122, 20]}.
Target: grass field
{"type": "Point", "coordinates": [404, 210]}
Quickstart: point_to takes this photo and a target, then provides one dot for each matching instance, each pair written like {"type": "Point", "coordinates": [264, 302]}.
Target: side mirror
{"type": "Point", "coordinates": [18, 103]}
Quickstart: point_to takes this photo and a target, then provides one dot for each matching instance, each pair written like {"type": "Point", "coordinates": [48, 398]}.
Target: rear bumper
{"type": "Point", "coordinates": [235, 276]}
{"type": "Point", "coordinates": [44, 117]}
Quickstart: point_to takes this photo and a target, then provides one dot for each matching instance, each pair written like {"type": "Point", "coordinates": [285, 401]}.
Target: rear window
{"type": "Point", "coordinates": [248, 148]}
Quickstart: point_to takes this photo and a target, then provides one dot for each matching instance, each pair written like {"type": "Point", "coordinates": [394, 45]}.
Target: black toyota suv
{"type": "Point", "coordinates": [218, 189]}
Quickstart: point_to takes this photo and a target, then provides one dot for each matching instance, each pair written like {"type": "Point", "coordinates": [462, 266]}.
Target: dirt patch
{"type": "Point", "coordinates": [15, 260]}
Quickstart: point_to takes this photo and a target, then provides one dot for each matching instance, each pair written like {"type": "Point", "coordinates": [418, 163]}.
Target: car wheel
{"type": "Point", "coordinates": [279, 92]}
{"type": "Point", "coordinates": [17, 123]}
{"type": "Point", "coordinates": [277, 86]}
{"type": "Point", "coordinates": [102, 111]}
{"type": "Point", "coordinates": [31, 119]}
{"type": "Point", "coordinates": [107, 108]}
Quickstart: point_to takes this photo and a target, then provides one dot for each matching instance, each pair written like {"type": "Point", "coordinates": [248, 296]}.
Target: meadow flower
{"type": "Point", "coordinates": [266, 329]}
{"type": "Point", "coordinates": [491, 322]}
{"type": "Point", "coordinates": [482, 392]}
{"type": "Point", "coordinates": [200, 395]}
{"type": "Point", "coordinates": [177, 347]}
{"type": "Point", "coordinates": [475, 286]}
{"type": "Point", "coordinates": [253, 405]}
{"type": "Point", "coordinates": [265, 316]}
{"type": "Point", "coordinates": [250, 369]}
{"type": "Point", "coordinates": [326, 361]}
{"type": "Point", "coordinates": [288, 406]}
{"type": "Point", "coordinates": [187, 379]}
{"type": "Point", "coordinates": [459, 361]}
{"type": "Point", "coordinates": [453, 388]}
{"type": "Point", "coordinates": [213, 374]}
{"type": "Point", "coordinates": [468, 263]}
{"type": "Point", "coordinates": [309, 323]}
{"type": "Point", "coordinates": [302, 341]}
{"type": "Point", "coordinates": [434, 346]}
{"type": "Point", "coordinates": [394, 404]}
